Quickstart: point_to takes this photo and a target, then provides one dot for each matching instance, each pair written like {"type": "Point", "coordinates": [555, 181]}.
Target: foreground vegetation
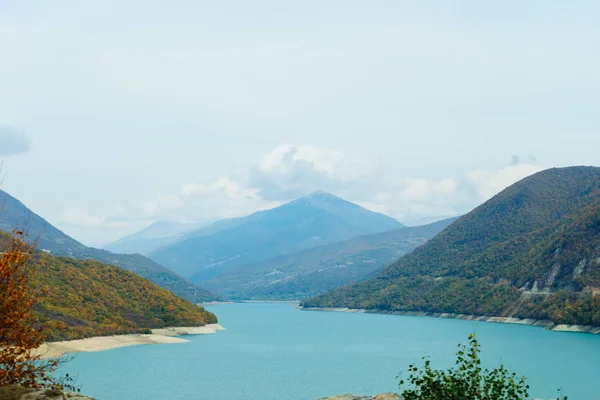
{"type": "Point", "coordinates": [18, 366]}
{"type": "Point", "coordinates": [468, 379]}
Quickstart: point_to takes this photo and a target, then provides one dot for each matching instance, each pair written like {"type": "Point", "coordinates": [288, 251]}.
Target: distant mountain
{"type": "Point", "coordinates": [152, 238]}
{"type": "Point", "coordinates": [14, 214]}
{"type": "Point", "coordinates": [317, 219]}
{"type": "Point", "coordinates": [88, 298]}
{"type": "Point", "coordinates": [309, 272]}
{"type": "Point", "coordinates": [532, 251]}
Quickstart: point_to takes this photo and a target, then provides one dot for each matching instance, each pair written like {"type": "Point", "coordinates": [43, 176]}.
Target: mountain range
{"type": "Point", "coordinates": [308, 222]}
{"type": "Point", "coordinates": [15, 215]}
{"type": "Point", "coordinates": [532, 251]}
{"type": "Point", "coordinates": [306, 273]}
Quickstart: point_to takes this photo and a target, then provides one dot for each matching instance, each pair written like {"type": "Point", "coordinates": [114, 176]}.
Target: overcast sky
{"type": "Point", "coordinates": [119, 113]}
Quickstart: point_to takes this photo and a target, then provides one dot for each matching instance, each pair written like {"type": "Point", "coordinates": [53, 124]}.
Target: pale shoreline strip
{"type": "Point", "coordinates": [505, 320]}
{"type": "Point", "coordinates": [101, 343]}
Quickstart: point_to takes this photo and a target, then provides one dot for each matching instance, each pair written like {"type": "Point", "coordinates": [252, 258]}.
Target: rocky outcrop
{"type": "Point", "coordinates": [19, 393]}
{"type": "Point", "coordinates": [382, 396]}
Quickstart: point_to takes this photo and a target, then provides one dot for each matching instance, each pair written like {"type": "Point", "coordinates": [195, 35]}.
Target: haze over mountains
{"type": "Point", "coordinates": [314, 220]}
{"type": "Point", "coordinates": [15, 215]}
{"type": "Point", "coordinates": [158, 235]}
{"type": "Point", "coordinates": [309, 272]}
{"type": "Point", "coordinates": [532, 251]}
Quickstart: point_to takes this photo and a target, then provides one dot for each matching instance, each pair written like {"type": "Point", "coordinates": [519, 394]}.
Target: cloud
{"type": "Point", "coordinates": [489, 183]}
{"type": "Point", "coordinates": [417, 200]}
{"type": "Point", "coordinates": [292, 171]}
{"type": "Point", "coordinates": [289, 171]}
{"type": "Point", "coordinates": [13, 141]}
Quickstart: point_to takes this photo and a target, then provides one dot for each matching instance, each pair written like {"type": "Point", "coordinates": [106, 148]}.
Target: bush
{"type": "Point", "coordinates": [466, 380]}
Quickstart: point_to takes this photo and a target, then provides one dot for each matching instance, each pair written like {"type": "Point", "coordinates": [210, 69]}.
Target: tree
{"type": "Point", "coordinates": [466, 380]}
{"type": "Point", "coordinates": [18, 337]}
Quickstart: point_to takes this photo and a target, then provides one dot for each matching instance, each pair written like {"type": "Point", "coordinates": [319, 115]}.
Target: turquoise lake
{"type": "Point", "coordinates": [272, 351]}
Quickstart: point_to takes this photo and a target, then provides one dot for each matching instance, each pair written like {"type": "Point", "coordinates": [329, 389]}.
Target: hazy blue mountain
{"type": "Point", "coordinates": [15, 215]}
{"type": "Point", "coordinates": [154, 237]}
{"type": "Point", "coordinates": [532, 251]}
{"type": "Point", "coordinates": [314, 220]}
{"type": "Point", "coordinates": [310, 272]}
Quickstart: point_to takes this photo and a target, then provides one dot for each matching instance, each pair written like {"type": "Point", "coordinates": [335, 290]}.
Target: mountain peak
{"type": "Point", "coordinates": [320, 197]}
{"type": "Point", "coordinates": [321, 193]}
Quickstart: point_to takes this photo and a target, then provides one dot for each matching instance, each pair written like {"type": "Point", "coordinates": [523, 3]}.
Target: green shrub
{"type": "Point", "coordinates": [466, 380]}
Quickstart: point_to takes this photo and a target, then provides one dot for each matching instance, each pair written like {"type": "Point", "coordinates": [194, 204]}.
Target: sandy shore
{"type": "Point", "coordinates": [505, 320]}
{"type": "Point", "coordinates": [101, 343]}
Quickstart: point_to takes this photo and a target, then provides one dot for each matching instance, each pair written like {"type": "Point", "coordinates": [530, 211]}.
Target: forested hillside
{"type": "Point", "coordinates": [79, 299]}
{"type": "Point", "coordinates": [532, 251]}
{"type": "Point", "coordinates": [309, 272]}
{"type": "Point", "coordinates": [15, 215]}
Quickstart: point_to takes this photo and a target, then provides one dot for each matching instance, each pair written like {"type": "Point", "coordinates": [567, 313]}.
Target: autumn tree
{"type": "Point", "coordinates": [19, 364]}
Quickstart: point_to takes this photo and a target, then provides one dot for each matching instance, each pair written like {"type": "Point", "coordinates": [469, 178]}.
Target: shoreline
{"type": "Point", "coordinates": [102, 343]}
{"type": "Point", "coordinates": [549, 325]}
{"type": "Point", "coordinates": [296, 302]}
{"type": "Point", "coordinates": [214, 303]}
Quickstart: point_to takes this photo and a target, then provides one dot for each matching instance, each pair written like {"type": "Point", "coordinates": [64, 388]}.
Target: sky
{"type": "Point", "coordinates": [116, 114]}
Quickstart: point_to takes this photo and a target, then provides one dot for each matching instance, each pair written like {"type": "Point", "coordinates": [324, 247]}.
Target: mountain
{"type": "Point", "coordinates": [152, 238]}
{"type": "Point", "coordinates": [317, 219]}
{"type": "Point", "coordinates": [14, 214]}
{"type": "Point", "coordinates": [309, 272]}
{"type": "Point", "coordinates": [532, 251]}
{"type": "Point", "coordinates": [87, 298]}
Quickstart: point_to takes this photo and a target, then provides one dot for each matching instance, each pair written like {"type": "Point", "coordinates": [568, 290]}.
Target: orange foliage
{"type": "Point", "coordinates": [17, 333]}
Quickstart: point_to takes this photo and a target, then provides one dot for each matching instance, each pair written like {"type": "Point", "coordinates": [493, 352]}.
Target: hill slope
{"type": "Point", "coordinates": [310, 272]}
{"type": "Point", "coordinates": [152, 238]}
{"type": "Point", "coordinates": [14, 214]}
{"type": "Point", "coordinates": [532, 251]}
{"type": "Point", "coordinates": [87, 298]}
{"type": "Point", "coordinates": [310, 221]}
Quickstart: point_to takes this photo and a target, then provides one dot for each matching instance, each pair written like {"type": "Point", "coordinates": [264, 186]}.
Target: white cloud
{"type": "Point", "coordinates": [416, 201]}
{"type": "Point", "coordinates": [488, 183]}
{"type": "Point", "coordinates": [291, 171]}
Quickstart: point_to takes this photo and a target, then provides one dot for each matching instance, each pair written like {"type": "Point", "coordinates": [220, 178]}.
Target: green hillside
{"type": "Point", "coordinates": [309, 272]}
{"type": "Point", "coordinates": [14, 214]}
{"type": "Point", "coordinates": [87, 298]}
{"type": "Point", "coordinates": [532, 251]}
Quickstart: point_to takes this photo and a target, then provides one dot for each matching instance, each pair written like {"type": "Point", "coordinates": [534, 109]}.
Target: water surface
{"type": "Point", "coordinates": [272, 351]}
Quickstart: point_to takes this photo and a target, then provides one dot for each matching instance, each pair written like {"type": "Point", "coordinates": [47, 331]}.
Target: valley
{"type": "Point", "coordinates": [310, 200]}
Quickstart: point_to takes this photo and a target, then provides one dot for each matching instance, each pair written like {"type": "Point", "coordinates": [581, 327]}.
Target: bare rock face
{"type": "Point", "coordinates": [382, 396]}
{"type": "Point", "coordinates": [19, 393]}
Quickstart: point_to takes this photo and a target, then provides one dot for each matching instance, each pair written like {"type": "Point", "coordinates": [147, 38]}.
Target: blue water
{"type": "Point", "coordinates": [275, 352]}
